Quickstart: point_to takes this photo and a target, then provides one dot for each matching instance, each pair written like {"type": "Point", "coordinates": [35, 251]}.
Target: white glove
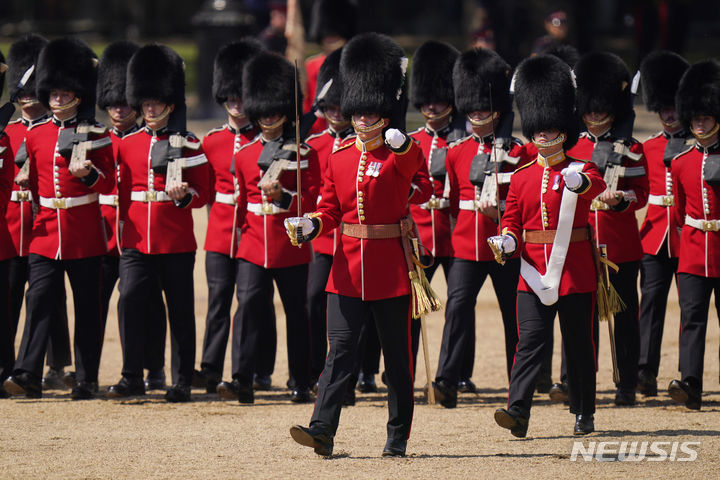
{"type": "Point", "coordinates": [573, 179]}
{"type": "Point", "coordinates": [299, 229]}
{"type": "Point", "coordinates": [504, 243]}
{"type": "Point", "coordinates": [395, 138]}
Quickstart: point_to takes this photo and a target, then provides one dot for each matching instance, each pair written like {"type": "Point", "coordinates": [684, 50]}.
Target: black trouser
{"type": "Point", "coordinates": [45, 277]}
{"type": "Point", "coordinates": [627, 330]}
{"type": "Point", "coordinates": [563, 355]}
{"type": "Point", "coordinates": [694, 294]}
{"type": "Point", "coordinates": [254, 286]}
{"type": "Point", "coordinates": [535, 325]}
{"type": "Point", "coordinates": [58, 348]}
{"type": "Point", "coordinates": [7, 350]}
{"type": "Point", "coordinates": [156, 324]}
{"type": "Point", "coordinates": [346, 317]}
{"type": "Point", "coordinates": [371, 350]}
{"type": "Point", "coordinates": [221, 273]}
{"type": "Point", "coordinates": [318, 274]}
{"type": "Point", "coordinates": [656, 274]}
{"type": "Point", "coordinates": [464, 283]}
{"type": "Point", "coordinates": [139, 276]}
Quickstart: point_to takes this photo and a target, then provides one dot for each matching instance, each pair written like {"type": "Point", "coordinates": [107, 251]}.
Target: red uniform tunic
{"type": "Point", "coordinates": [20, 211]}
{"type": "Point", "coordinates": [264, 241]}
{"type": "Point", "coordinates": [527, 199]}
{"type": "Point", "coordinates": [157, 227]}
{"type": "Point", "coordinates": [659, 226]}
{"type": "Point", "coordinates": [695, 198]}
{"type": "Point", "coordinates": [78, 231]}
{"type": "Point", "coordinates": [370, 187]}
{"type": "Point", "coordinates": [469, 238]}
{"type": "Point", "coordinates": [109, 203]}
{"type": "Point", "coordinates": [324, 144]}
{"type": "Point", "coordinates": [312, 68]}
{"type": "Point", "coordinates": [618, 229]}
{"type": "Point", "coordinates": [433, 217]}
{"type": "Point", "coordinates": [223, 228]}
{"type": "Point", "coordinates": [7, 172]}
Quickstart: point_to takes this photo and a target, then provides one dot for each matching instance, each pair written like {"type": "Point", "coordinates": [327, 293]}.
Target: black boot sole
{"type": "Point", "coordinates": [16, 389]}
{"type": "Point", "coordinates": [678, 395]}
{"type": "Point", "coordinates": [306, 440]}
{"type": "Point", "coordinates": [505, 420]}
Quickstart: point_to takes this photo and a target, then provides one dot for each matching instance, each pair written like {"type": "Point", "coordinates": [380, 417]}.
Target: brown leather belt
{"type": "Point", "coordinates": [547, 237]}
{"type": "Point", "coordinates": [371, 232]}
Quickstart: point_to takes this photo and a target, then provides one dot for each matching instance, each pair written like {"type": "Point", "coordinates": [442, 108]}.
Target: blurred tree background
{"type": "Point", "coordinates": [196, 28]}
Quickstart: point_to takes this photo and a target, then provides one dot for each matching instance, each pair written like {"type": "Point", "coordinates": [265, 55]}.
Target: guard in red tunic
{"type": "Point", "coordinates": [111, 98]}
{"type": "Point", "coordinates": [482, 86]}
{"type": "Point", "coordinates": [339, 132]}
{"type": "Point", "coordinates": [431, 92]}
{"type": "Point", "coordinates": [332, 24]}
{"type": "Point", "coordinates": [21, 57]}
{"type": "Point", "coordinates": [605, 103]}
{"type": "Point", "coordinates": [223, 229]}
{"type": "Point", "coordinates": [70, 163]}
{"type": "Point", "coordinates": [546, 224]}
{"type": "Point", "coordinates": [163, 175]}
{"type": "Point", "coordinates": [265, 171]}
{"type": "Point", "coordinates": [7, 249]}
{"type": "Point", "coordinates": [660, 74]}
{"type": "Point", "coordinates": [365, 194]}
{"type": "Point", "coordinates": [696, 189]}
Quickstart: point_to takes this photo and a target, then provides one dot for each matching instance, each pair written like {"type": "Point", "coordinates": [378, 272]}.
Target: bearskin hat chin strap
{"type": "Point", "coordinates": [273, 126]}
{"type": "Point", "coordinates": [379, 124]}
{"type": "Point", "coordinates": [671, 125]}
{"type": "Point", "coordinates": [163, 115]}
{"type": "Point", "coordinates": [709, 134]}
{"type": "Point", "coordinates": [127, 117]}
{"type": "Point", "coordinates": [482, 123]}
{"type": "Point", "coordinates": [71, 104]}
{"type": "Point", "coordinates": [337, 126]}
{"type": "Point", "coordinates": [560, 139]}
{"type": "Point", "coordinates": [239, 117]}
{"type": "Point", "coordinates": [600, 123]}
{"type": "Point", "coordinates": [438, 116]}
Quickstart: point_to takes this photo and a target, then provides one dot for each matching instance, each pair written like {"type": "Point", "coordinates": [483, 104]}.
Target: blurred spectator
{"type": "Point", "coordinates": [483, 37]}
{"type": "Point", "coordinates": [661, 24]}
{"type": "Point", "coordinates": [273, 36]}
{"type": "Point", "coordinates": [556, 26]}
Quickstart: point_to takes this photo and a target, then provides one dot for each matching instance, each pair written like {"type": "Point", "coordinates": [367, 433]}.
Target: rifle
{"type": "Point", "coordinates": [76, 143]}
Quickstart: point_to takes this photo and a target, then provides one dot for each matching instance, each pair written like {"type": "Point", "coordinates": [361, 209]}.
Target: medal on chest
{"type": "Point", "coordinates": [373, 169]}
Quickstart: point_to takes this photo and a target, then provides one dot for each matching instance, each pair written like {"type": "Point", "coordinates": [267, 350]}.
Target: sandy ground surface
{"type": "Point", "coordinates": [210, 438]}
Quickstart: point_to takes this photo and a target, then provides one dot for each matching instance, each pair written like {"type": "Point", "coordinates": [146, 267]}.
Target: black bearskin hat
{"type": "Point", "coordinates": [566, 53]}
{"type": "Point", "coordinates": [112, 73]}
{"type": "Point", "coordinates": [372, 72]}
{"type": "Point", "coordinates": [157, 72]}
{"type": "Point", "coordinates": [333, 17]}
{"type": "Point", "coordinates": [660, 74]}
{"type": "Point", "coordinates": [68, 64]}
{"type": "Point", "coordinates": [329, 70]}
{"type": "Point", "coordinates": [269, 87]}
{"type": "Point", "coordinates": [545, 97]}
{"type": "Point", "coordinates": [699, 92]}
{"type": "Point", "coordinates": [228, 67]}
{"type": "Point", "coordinates": [22, 55]}
{"type": "Point", "coordinates": [478, 73]}
{"type": "Point", "coordinates": [431, 78]}
{"type": "Point", "coordinates": [603, 85]}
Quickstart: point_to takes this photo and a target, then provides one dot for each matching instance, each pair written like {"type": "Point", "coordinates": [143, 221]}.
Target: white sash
{"type": "Point", "coordinates": [546, 286]}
